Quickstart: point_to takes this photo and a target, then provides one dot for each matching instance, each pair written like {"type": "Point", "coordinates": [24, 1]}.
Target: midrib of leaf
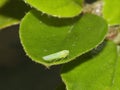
{"type": "Point", "coordinates": [114, 71]}
{"type": "Point", "coordinates": [71, 28]}
{"type": "Point", "coordinates": [115, 67]}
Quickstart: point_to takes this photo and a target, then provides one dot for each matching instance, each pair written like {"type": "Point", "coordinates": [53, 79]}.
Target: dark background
{"type": "Point", "coordinates": [17, 71]}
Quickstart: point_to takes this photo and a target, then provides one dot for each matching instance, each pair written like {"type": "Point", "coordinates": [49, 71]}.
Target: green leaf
{"type": "Point", "coordinates": [94, 71]}
{"type": "Point", "coordinates": [42, 35]}
{"type": "Point", "coordinates": [111, 11]}
{"type": "Point", "coordinates": [59, 8]}
{"type": "Point", "coordinates": [116, 77]}
{"type": "Point", "coordinates": [11, 12]}
{"type": "Point", "coordinates": [2, 2]}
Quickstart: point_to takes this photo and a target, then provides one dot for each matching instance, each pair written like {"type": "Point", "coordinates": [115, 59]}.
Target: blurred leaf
{"type": "Point", "coordinates": [97, 70]}
{"type": "Point", "coordinates": [2, 2]}
{"type": "Point", "coordinates": [111, 11]}
{"type": "Point", "coordinates": [11, 12]}
{"type": "Point", "coordinates": [59, 8]}
{"type": "Point", "coordinates": [42, 35]}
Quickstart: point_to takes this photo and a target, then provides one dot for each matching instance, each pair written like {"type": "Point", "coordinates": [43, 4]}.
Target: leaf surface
{"type": "Point", "coordinates": [42, 35]}
{"type": "Point", "coordinates": [59, 8]}
{"type": "Point", "coordinates": [97, 70]}
{"type": "Point", "coordinates": [111, 11]}
{"type": "Point", "coordinates": [11, 12]}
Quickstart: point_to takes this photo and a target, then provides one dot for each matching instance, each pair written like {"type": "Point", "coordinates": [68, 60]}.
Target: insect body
{"type": "Point", "coordinates": [56, 56]}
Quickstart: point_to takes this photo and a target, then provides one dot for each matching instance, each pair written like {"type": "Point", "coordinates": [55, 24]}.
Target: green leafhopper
{"type": "Point", "coordinates": [56, 56]}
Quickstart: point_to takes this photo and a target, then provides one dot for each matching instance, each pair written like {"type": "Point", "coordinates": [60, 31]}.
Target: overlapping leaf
{"type": "Point", "coordinates": [42, 35]}
{"type": "Point", "coordinates": [11, 11]}
{"type": "Point", "coordinates": [111, 11]}
{"type": "Point", "coordinates": [98, 71]}
{"type": "Point", "coordinates": [59, 8]}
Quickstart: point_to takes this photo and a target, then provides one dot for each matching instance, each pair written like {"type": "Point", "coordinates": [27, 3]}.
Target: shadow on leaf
{"type": "Point", "coordinates": [84, 58]}
{"type": "Point", "coordinates": [54, 21]}
{"type": "Point", "coordinates": [14, 8]}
